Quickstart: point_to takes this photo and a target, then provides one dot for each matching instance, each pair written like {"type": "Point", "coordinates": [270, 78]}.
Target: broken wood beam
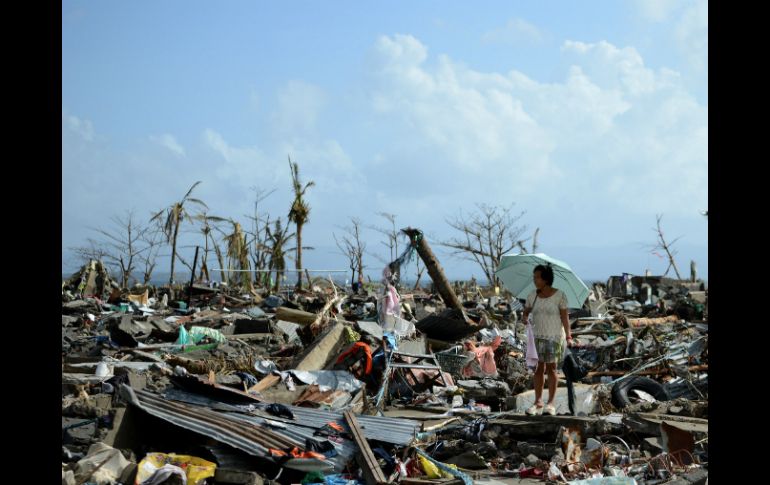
{"type": "Point", "coordinates": [435, 270]}
{"type": "Point", "coordinates": [295, 316]}
{"type": "Point", "coordinates": [366, 459]}
{"type": "Point", "coordinates": [640, 322]}
{"type": "Point", "coordinates": [265, 383]}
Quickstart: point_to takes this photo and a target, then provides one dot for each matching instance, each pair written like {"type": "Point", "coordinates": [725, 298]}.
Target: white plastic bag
{"type": "Point", "coordinates": [532, 358]}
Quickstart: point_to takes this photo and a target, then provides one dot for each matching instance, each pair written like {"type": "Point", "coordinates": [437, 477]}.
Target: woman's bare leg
{"type": "Point", "coordinates": [539, 378]}
{"type": "Point", "coordinates": [553, 380]}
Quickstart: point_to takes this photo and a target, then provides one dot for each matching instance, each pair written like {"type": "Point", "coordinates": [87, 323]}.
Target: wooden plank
{"type": "Point", "coordinates": [266, 383]}
{"type": "Point", "coordinates": [639, 322]}
{"type": "Point", "coordinates": [248, 336]}
{"type": "Point", "coordinates": [369, 465]}
{"type": "Point", "coordinates": [295, 316]}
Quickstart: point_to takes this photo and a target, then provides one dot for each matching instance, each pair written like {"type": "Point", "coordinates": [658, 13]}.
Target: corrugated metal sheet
{"type": "Point", "coordinates": [331, 398]}
{"type": "Point", "coordinates": [346, 450]}
{"type": "Point", "coordinates": [397, 431]}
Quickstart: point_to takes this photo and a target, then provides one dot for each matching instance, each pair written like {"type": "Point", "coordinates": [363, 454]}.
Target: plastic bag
{"type": "Point", "coordinates": [431, 470]}
{"type": "Point", "coordinates": [184, 337]}
{"type": "Point", "coordinates": [532, 357]}
{"type": "Point", "coordinates": [199, 333]}
{"type": "Point", "coordinates": [196, 469]}
{"type": "Point", "coordinates": [196, 334]}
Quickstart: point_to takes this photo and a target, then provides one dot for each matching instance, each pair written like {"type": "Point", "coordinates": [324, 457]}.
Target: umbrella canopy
{"type": "Point", "coordinates": [515, 271]}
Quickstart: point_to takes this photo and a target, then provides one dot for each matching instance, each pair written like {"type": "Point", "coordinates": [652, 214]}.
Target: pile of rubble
{"type": "Point", "coordinates": [218, 385]}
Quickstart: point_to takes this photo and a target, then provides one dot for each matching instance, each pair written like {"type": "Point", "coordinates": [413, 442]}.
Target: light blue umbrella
{"type": "Point", "coordinates": [515, 271]}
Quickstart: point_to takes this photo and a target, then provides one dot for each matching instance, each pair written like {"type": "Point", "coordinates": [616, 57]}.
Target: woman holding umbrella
{"type": "Point", "coordinates": [550, 323]}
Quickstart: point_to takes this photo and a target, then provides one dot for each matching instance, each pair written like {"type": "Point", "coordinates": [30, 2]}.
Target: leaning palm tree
{"type": "Point", "coordinates": [175, 215]}
{"type": "Point", "coordinates": [278, 239]}
{"type": "Point", "coordinates": [298, 214]}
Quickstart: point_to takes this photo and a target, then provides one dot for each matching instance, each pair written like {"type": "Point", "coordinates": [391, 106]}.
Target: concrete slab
{"type": "Point", "coordinates": [585, 403]}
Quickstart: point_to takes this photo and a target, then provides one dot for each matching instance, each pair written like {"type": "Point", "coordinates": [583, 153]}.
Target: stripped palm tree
{"type": "Point", "coordinates": [299, 214]}
{"type": "Point", "coordinates": [278, 239]}
{"type": "Point", "coordinates": [238, 252]}
{"type": "Point", "coordinates": [175, 215]}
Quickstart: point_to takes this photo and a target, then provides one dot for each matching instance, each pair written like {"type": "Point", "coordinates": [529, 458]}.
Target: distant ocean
{"type": "Point", "coordinates": [162, 279]}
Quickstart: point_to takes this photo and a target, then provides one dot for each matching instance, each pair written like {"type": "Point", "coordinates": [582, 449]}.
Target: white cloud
{"type": "Point", "coordinates": [323, 161]}
{"type": "Point", "coordinates": [299, 105]}
{"type": "Point", "coordinates": [611, 130]}
{"type": "Point", "coordinates": [240, 163]}
{"type": "Point", "coordinates": [691, 34]}
{"type": "Point", "coordinates": [169, 142]}
{"type": "Point", "coordinates": [516, 31]}
{"type": "Point", "coordinates": [614, 68]}
{"type": "Point", "coordinates": [82, 127]}
{"type": "Point", "coordinates": [657, 10]}
{"type": "Point", "coordinates": [688, 22]}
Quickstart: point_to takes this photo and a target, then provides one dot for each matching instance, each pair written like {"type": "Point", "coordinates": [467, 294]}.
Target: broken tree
{"type": "Point", "coordinates": [434, 269]}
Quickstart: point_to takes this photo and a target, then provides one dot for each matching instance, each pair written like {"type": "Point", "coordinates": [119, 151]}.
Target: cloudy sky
{"type": "Point", "coordinates": [591, 117]}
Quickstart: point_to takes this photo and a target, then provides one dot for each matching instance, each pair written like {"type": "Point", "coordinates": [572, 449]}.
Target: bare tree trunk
{"type": "Point", "coordinates": [148, 273]}
{"type": "Point", "coordinates": [434, 270]}
{"type": "Point", "coordinates": [534, 240]}
{"type": "Point", "coordinates": [278, 275]}
{"type": "Point", "coordinates": [173, 253]}
{"type": "Point", "coordinates": [220, 260]}
{"type": "Point", "coordinates": [204, 266]}
{"type": "Point", "coordinates": [299, 257]}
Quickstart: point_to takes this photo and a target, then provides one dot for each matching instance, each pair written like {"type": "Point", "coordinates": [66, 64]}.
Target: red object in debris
{"type": "Point", "coordinates": [355, 349]}
{"type": "Point", "coordinates": [336, 426]}
{"type": "Point", "coordinates": [530, 472]}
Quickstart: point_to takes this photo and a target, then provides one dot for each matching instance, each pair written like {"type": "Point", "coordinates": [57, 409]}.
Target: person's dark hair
{"type": "Point", "coordinates": [546, 272]}
{"type": "Point", "coordinates": [368, 340]}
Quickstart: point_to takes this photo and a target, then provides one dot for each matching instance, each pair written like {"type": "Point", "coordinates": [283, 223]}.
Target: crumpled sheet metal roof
{"type": "Point", "coordinates": [397, 431]}
{"type": "Point", "coordinates": [346, 450]}
{"type": "Point", "coordinates": [209, 423]}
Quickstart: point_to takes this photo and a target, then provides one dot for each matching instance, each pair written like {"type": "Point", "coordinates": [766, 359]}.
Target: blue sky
{"type": "Point", "coordinates": [591, 117]}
